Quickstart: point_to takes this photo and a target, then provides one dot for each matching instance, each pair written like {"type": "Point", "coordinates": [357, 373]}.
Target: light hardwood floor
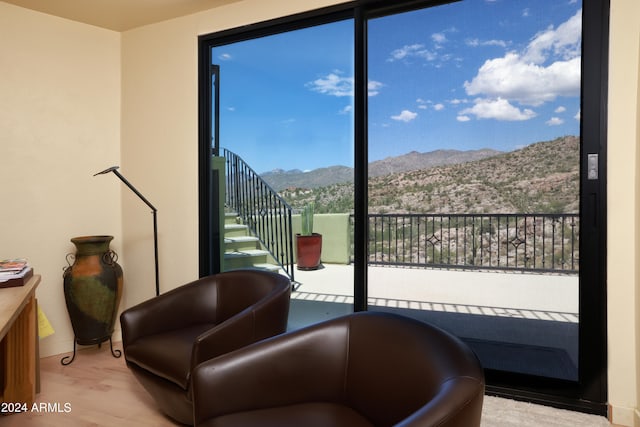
{"type": "Point", "coordinates": [98, 390]}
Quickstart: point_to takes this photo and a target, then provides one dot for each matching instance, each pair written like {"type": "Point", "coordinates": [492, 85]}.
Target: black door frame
{"type": "Point", "coordinates": [589, 394]}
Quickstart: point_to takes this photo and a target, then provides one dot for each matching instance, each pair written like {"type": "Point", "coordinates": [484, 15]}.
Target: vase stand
{"type": "Point", "coordinates": [68, 359]}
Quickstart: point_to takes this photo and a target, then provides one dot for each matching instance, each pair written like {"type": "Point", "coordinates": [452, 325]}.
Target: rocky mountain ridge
{"type": "Point", "coordinates": [280, 179]}
{"type": "Point", "coordinates": [540, 178]}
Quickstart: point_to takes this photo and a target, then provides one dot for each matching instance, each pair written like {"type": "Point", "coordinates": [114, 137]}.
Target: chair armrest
{"type": "Point", "coordinates": [458, 403]}
{"type": "Point", "coordinates": [188, 304]}
{"type": "Point", "coordinates": [225, 337]}
{"type": "Point", "coordinates": [259, 321]}
{"type": "Point", "coordinates": [301, 366]}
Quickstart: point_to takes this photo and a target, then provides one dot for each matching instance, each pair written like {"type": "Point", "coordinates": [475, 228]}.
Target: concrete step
{"type": "Point", "coordinates": [240, 239]}
{"type": "Point", "coordinates": [240, 243]}
{"type": "Point", "coordinates": [245, 258]}
{"type": "Point", "coordinates": [235, 226]}
{"type": "Point", "coordinates": [235, 230]}
{"type": "Point", "coordinates": [267, 266]}
{"type": "Point", "coordinates": [246, 254]}
{"type": "Point", "coordinates": [231, 218]}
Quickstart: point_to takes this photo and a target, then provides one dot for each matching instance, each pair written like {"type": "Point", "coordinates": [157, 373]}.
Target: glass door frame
{"type": "Point", "coordinates": [589, 393]}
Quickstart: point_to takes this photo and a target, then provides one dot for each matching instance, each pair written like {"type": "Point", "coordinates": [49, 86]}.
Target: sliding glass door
{"type": "Point", "coordinates": [465, 146]}
{"type": "Point", "coordinates": [286, 132]}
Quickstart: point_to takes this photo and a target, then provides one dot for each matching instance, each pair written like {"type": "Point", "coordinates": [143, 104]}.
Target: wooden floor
{"type": "Point", "coordinates": [95, 390]}
{"type": "Point", "coordinates": [98, 390]}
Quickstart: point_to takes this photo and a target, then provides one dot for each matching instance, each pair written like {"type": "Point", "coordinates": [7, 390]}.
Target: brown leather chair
{"type": "Point", "coordinates": [166, 337]}
{"type": "Point", "coordinates": [365, 369]}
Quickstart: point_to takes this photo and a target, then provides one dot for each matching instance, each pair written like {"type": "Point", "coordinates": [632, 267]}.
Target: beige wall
{"type": "Point", "coordinates": [59, 124]}
{"type": "Point", "coordinates": [637, 256]}
{"type": "Point", "coordinates": [623, 215]}
{"type": "Point", "coordinates": [61, 121]}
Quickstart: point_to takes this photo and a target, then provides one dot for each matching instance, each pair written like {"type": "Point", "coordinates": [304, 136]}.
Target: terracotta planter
{"type": "Point", "coordinates": [92, 289]}
{"type": "Point", "coordinates": [309, 250]}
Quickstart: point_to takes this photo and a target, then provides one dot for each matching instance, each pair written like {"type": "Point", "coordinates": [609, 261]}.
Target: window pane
{"type": "Point", "coordinates": [474, 148]}
{"type": "Point", "coordinates": [286, 109]}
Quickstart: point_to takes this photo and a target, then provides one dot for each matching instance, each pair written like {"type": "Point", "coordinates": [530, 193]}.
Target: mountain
{"type": "Point", "coordinates": [280, 179]}
{"type": "Point", "coordinates": [416, 161]}
{"type": "Point", "coordinates": [540, 178]}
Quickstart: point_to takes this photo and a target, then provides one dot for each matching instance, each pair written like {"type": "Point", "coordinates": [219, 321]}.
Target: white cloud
{"type": "Point", "coordinates": [548, 68]}
{"type": "Point", "coordinates": [477, 42]}
{"type": "Point", "coordinates": [231, 108]}
{"type": "Point", "coordinates": [463, 118]}
{"type": "Point", "coordinates": [410, 51]}
{"type": "Point", "coordinates": [560, 109]}
{"type": "Point", "coordinates": [405, 116]}
{"type": "Point", "coordinates": [420, 52]}
{"type": "Point", "coordinates": [555, 121]}
{"type": "Point", "coordinates": [499, 109]}
{"type": "Point", "coordinates": [438, 107]}
{"type": "Point", "coordinates": [527, 83]}
{"type": "Point", "coordinates": [224, 57]}
{"type": "Point", "coordinates": [422, 104]}
{"type": "Point", "coordinates": [439, 38]}
{"type": "Point", "coordinates": [334, 84]}
{"type": "Point", "coordinates": [577, 116]}
{"type": "Point", "coordinates": [563, 42]}
{"type": "Point", "coordinates": [373, 87]}
{"type": "Point", "coordinates": [458, 101]}
{"type": "Point", "coordinates": [347, 109]}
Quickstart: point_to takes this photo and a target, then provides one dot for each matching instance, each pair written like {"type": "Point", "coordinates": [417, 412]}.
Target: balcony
{"type": "Point", "coordinates": [507, 284]}
{"type": "Point", "coordinates": [515, 321]}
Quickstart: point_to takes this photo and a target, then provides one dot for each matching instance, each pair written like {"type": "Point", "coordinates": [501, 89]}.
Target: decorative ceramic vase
{"type": "Point", "coordinates": [92, 289]}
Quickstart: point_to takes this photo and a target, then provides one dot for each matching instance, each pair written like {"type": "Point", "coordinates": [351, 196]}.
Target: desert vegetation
{"type": "Point", "coordinates": [540, 178]}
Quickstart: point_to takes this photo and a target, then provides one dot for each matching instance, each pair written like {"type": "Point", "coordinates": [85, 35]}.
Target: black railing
{"type": "Point", "coordinates": [261, 208]}
{"type": "Point", "coordinates": [540, 242]}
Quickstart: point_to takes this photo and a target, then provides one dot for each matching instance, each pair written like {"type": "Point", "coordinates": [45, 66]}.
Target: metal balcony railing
{"type": "Point", "coordinates": [261, 208]}
{"type": "Point", "coordinates": [526, 242]}
{"type": "Point", "coordinates": [540, 242]}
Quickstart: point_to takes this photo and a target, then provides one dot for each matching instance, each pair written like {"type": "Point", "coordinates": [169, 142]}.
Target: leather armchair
{"type": "Point", "coordinates": [364, 369]}
{"type": "Point", "coordinates": [166, 337]}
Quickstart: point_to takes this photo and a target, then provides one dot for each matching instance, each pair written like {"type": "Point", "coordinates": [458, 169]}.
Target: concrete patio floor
{"type": "Point", "coordinates": [516, 295]}
{"type": "Point", "coordinates": [533, 311]}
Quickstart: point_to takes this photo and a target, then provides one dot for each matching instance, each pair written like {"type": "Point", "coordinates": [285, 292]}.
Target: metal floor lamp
{"type": "Point", "coordinates": [154, 211]}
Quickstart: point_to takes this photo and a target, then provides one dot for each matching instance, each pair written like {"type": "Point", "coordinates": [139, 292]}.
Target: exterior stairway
{"type": "Point", "coordinates": [243, 249]}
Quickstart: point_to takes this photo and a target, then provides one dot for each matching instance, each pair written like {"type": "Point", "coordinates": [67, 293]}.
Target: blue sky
{"type": "Point", "coordinates": [475, 74]}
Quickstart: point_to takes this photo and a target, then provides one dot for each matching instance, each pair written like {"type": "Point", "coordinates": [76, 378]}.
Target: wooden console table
{"type": "Point", "coordinates": [18, 339]}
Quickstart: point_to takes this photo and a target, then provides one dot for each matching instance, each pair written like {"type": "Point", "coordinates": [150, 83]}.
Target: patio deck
{"type": "Point", "coordinates": [514, 321]}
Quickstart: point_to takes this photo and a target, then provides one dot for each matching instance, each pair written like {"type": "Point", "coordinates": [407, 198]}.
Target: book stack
{"type": "Point", "coordinates": [14, 272]}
